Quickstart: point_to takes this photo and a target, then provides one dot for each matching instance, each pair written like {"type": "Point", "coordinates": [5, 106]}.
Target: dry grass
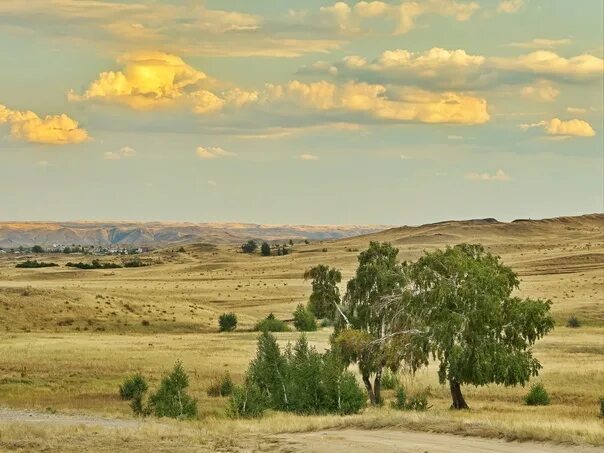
{"type": "Point", "coordinates": [69, 337]}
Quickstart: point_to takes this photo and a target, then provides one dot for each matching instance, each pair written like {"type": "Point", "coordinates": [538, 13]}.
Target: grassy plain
{"type": "Point", "coordinates": [68, 337]}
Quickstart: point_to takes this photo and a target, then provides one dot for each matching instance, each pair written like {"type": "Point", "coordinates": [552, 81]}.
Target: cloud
{"type": "Point", "coordinates": [510, 6]}
{"type": "Point", "coordinates": [52, 129]}
{"type": "Point", "coordinates": [499, 175]}
{"type": "Point", "coordinates": [541, 43]}
{"type": "Point", "coordinates": [561, 128]}
{"type": "Point", "coordinates": [576, 110]}
{"type": "Point", "coordinates": [375, 101]}
{"type": "Point", "coordinates": [347, 19]}
{"type": "Point", "coordinates": [213, 153]}
{"type": "Point", "coordinates": [124, 153]}
{"type": "Point", "coordinates": [540, 91]}
{"type": "Point", "coordinates": [308, 157]}
{"type": "Point", "coordinates": [549, 64]}
{"type": "Point", "coordinates": [212, 183]}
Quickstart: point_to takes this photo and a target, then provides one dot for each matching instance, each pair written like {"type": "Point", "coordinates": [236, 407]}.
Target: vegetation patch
{"type": "Point", "coordinates": [32, 264]}
{"type": "Point", "coordinates": [271, 324]}
{"type": "Point", "coordinates": [95, 264]}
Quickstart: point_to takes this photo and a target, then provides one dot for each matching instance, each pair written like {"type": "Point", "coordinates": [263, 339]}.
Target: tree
{"type": "Point", "coordinates": [460, 301]}
{"type": "Point", "coordinates": [37, 249]}
{"type": "Point", "coordinates": [325, 296]}
{"type": "Point", "coordinates": [227, 322]}
{"type": "Point", "coordinates": [249, 247]}
{"type": "Point", "coordinates": [171, 399]}
{"type": "Point", "coordinates": [265, 250]}
{"type": "Point", "coordinates": [304, 320]}
{"type": "Point", "coordinates": [378, 276]}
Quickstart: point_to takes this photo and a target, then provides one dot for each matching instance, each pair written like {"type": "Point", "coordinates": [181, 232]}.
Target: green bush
{"type": "Point", "coordinates": [537, 396]}
{"type": "Point", "coordinates": [265, 249]}
{"type": "Point", "coordinates": [132, 386]}
{"type": "Point", "coordinates": [37, 249]}
{"type": "Point", "coordinates": [247, 401]}
{"type": "Point", "coordinates": [135, 263]}
{"type": "Point", "coordinates": [573, 322]}
{"type": "Point", "coordinates": [304, 320]}
{"type": "Point", "coordinates": [299, 380]}
{"type": "Point", "coordinates": [96, 264]}
{"type": "Point", "coordinates": [249, 247]}
{"type": "Point", "coordinates": [32, 264]}
{"type": "Point", "coordinates": [326, 322]}
{"type": "Point", "coordinates": [271, 324]}
{"type": "Point", "coordinates": [416, 402]}
{"type": "Point", "coordinates": [389, 380]}
{"type": "Point", "coordinates": [171, 399]}
{"type": "Point", "coordinates": [227, 322]}
{"type": "Point", "coordinates": [222, 386]}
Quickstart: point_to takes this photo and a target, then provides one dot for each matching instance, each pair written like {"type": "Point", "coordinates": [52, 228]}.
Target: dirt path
{"type": "Point", "coordinates": [27, 416]}
{"type": "Point", "coordinates": [390, 441]}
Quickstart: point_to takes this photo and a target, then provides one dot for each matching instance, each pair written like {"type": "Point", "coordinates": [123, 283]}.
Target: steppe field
{"type": "Point", "coordinates": [69, 337]}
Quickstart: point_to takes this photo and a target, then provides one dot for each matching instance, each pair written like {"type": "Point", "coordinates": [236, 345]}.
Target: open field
{"type": "Point", "coordinates": [68, 337]}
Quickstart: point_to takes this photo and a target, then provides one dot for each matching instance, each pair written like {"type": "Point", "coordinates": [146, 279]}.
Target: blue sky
{"type": "Point", "coordinates": [308, 112]}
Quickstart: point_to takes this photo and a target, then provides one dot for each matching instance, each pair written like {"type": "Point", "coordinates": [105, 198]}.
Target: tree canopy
{"type": "Point", "coordinates": [325, 294]}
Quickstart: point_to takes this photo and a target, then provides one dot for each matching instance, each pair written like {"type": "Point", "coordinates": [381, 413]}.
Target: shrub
{"type": "Point", "coordinates": [132, 386]}
{"type": "Point", "coordinates": [265, 249]}
{"type": "Point", "coordinates": [227, 322]}
{"type": "Point", "coordinates": [400, 399]}
{"type": "Point", "coordinates": [37, 249]}
{"type": "Point", "coordinates": [271, 324]}
{"type": "Point", "coordinates": [573, 322]}
{"type": "Point", "coordinates": [31, 264]}
{"type": "Point", "coordinates": [222, 387]}
{"type": "Point", "coordinates": [247, 401]}
{"type": "Point", "coordinates": [416, 402]}
{"type": "Point", "coordinates": [537, 396]}
{"type": "Point", "coordinates": [389, 380]}
{"type": "Point", "coordinates": [304, 320]}
{"type": "Point", "coordinates": [326, 322]}
{"type": "Point", "coordinates": [249, 247]}
{"type": "Point", "coordinates": [171, 399]}
{"type": "Point", "coordinates": [181, 250]}
{"type": "Point", "coordinates": [96, 264]}
{"type": "Point", "coordinates": [135, 263]}
{"type": "Point", "coordinates": [602, 406]}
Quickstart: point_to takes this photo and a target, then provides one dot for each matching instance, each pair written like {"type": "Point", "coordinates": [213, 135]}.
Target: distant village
{"type": "Point", "coordinates": [75, 249]}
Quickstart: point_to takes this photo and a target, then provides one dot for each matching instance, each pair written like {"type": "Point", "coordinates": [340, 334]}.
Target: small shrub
{"type": "Point", "coordinates": [400, 399]}
{"type": "Point", "coordinates": [249, 247]}
{"type": "Point", "coordinates": [326, 322]}
{"type": "Point", "coordinates": [145, 323]}
{"type": "Point", "coordinates": [537, 396]}
{"type": "Point", "coordinates": [135, 263]}
{"type": "Point", "coordinates": [181, 250]}
{"type": "Point", "coordinates": [222, 387]}
{"type": "Point", "coordinates": [573, 322]}
{"type": "Point", "coordinates": [132, 386]}
{"type": "Point", "coordinates": [271, 324]}
{"type": "Point", "coordinates": [389, 380]}
{"type": "Point", "coordinates": [602, 406]}
{"type": "Point", "coordinates": [247, 401]}
{"type": "Point", "coordinates": [304, 320]}
{"type": "Point", "coordinates": [227, 322]}
{"type": "Point", "coordinates": [171, 399]}
{"type": "Point", "coordinates": [416, 402]}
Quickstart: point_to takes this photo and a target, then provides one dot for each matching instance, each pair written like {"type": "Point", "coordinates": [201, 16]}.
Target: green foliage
{"type": "Point", "coordinates": [221, 387]}
{"type": "Point", "coordinates": [573, 322]}
{"type": "Point", "coordinates": [227, 322]}
{"type": "Point", "coordinates": [389, 380]}
{"type": "Point", "coordinates": [304, 320]}
{"type": "Point", "coordinates": [96, 264]}
{"type": "Point", "coordinates": [250, 246]}
{"type": "Point", "coordinates": [248, 401]}
{"type": "Point", "coordinates": [265, 249]}
{"type": "Point", "coordinates": [461, 308]}
{"type": "Point", "coordinates": [271, 324]}
{"type": "Point", "coordinates": [325, 292]}
{"type": "Point", "coordinates": [415, 402]}
{"type": "Point", "coordinates": [171, 399]}
{"type": "Point", "coordinates": [299, 380]}
{"type": "Point", "coordinates": [37, 249]}
{"type": "Point", "coordinates": [32, 264]}
{"type": "Point", "coordinates": [602, 406]}
{"type": "Point", "coordinates": [135, 263]}
{"type": "Point", "coordinates": [326, 322]}
{"type": "Point", "coordinates": [133, 386]}
{"type": "Point", "coordinates": [537, 396]}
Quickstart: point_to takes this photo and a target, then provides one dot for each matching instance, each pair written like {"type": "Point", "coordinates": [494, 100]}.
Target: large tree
{"type": "Point", "coordinates": [325, 296]}
{"type": "Point", "coordinates": [460, 301]}
{"type": "Point", "coordinates": [378, 276]}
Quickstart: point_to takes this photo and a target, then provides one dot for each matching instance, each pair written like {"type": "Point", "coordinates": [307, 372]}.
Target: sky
{"type": "Point", "coordinates": [316, 112]}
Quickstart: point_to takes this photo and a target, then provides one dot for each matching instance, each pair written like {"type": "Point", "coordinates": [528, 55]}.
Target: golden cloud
{"type": "Point", "coordinates": [540, 91]}
{"type": "Point", "coordinates": [52, 129]}
{"type": "Point", "coordinates": [547, 63]}
{"type": "Point", "coordinates": [213, 153]}
{"type": "Point", "coordinates": [407, 105]}
{"type": "Point", "coordinates": [564, 128]}
{"type": "Point", "coordinates": [499, 175]}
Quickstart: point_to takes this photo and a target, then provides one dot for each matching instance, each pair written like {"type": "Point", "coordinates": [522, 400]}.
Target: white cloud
{"type": "Point", "coordinates": [213, 153]}
{"type": "Point", "coordinates": [51, 129]}
{"type": "Point", "coordinates": [547, 63]}
{"type": "Point", "coordinates": [499, 175]}
{"type": "Point", "coordinates": [540, 91]}
{"type": "Point", "coordinates": [124, 153]}
{"type": "Point", "coordinates": [308, 157]}
{"type": "Point", "coordinates": [562, 128]}
{"type": "Point", "coordinates": [576, 110]}
{"type": "Point", "coordinates": [510, 6]}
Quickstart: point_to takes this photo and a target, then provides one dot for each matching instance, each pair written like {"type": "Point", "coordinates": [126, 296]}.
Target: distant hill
{"type": "Point", "coordinates": [105, 234]}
